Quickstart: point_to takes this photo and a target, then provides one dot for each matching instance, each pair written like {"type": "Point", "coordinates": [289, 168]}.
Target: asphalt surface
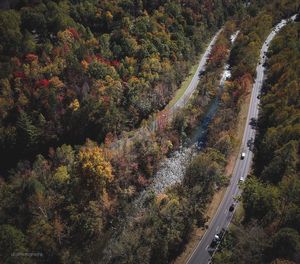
{"type": "Point", "coordinates": [203, 253]}
{"type": "Point", "coordinates": [181, 102]}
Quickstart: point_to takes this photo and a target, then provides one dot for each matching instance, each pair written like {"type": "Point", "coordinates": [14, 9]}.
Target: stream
{"type": "Point", "coordinates": [172, 169]}
{"type": "Point", "coordinates": [199, 136]}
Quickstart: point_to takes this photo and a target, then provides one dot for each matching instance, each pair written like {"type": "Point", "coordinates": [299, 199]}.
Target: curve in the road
{"type": "Point", "coordinates": [223, 217]}
{"type": "Point", "coordinates": [182, 101]}
{"type": "Point", "coordinates": [194, 82]}
{"type": "Point", "coordinates": [169, 111]}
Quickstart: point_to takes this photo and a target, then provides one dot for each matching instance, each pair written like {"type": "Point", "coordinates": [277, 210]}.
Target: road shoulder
{"type": "Point", "coordinates": [212, 207]}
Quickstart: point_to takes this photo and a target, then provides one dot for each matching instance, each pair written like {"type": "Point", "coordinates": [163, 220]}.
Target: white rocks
{"type": "Point", "coordinates": [226, 74]}
{"type": "Point", "coordinates": [170, 172]}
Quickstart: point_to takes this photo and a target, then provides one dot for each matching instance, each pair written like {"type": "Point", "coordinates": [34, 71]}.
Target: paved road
{"type": "Point", "coordinates": [181, 102]}
{"type": "Point", "coordinates": [223, 217]}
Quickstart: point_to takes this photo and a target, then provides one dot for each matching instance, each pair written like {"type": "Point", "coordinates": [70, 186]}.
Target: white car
{"type": "Point", "coordinates": [217, 237]}
{"type": "Point", "coordinates": [243, 155]}
{"type": "Point", "coordinates": [242, 179]}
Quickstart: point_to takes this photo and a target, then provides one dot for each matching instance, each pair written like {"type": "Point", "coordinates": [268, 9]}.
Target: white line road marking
{"type": "Point", "coordinates": [206, 247]}
{"type": "Point", "coordinates": [217, 228]}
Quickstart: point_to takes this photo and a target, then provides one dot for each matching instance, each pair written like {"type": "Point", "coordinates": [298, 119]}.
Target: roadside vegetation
{"type": "Point", "coordinates": [269, 231]}
{"type": "Point", "coordinates": [72, 71]}
{"type": "Point", "coordinates": [75, 77]}
{"type": "Point", "coordinates": [175, 212]}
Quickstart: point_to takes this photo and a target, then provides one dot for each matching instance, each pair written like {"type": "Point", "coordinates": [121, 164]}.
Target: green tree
{"type": "Point", "coordinates": [205, 169]}
{"type": "Point", "coordinates": [12, 243]}
{"type": "Point", "coordinates": [260, 201]}
{"type": "Point", "coordinates": [10, 33]}
{"type": "Point", "coordinates": [100, 71]}
{"type": "Point", "coordinates": [28, 133]}
{"type": "Point", "coordinates": [34, 21]}
{"type": "Point", "coordinates": [285, 244]}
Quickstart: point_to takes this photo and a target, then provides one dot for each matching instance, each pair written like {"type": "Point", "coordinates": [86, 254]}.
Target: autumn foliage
{"type": "Point", "coordinates": [95, 170]}
{"type": "Point", "coordinates": [73, 70]}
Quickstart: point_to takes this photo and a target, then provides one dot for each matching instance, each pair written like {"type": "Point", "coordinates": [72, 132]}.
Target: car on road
{"type": "Point", "coordinates": [250, 142]}
{"type": "Point", "coordinates": [201, 73]}
{"type": "Point", "coordinates": [214, 242]}
{"type": "Point", "coordinates": [242, 179]}
{"type": "Point", "coordinates": [231, 208]}
{"type": "Point", "coordinates": [217, 239]}
{"type": "Point", "coordinates": [253, 122]}
{"type": "Point", "coordinates": [243, 155]}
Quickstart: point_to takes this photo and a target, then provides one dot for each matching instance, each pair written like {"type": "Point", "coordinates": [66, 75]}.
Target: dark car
{"type": "Point", "coordinates": [231, 208]}
{"type": "Point", "coordinates": [216, 240]}
{"type": "Point", "coordinates": [253, 122]}
{"type": "Point", "coordinates": [250, 142]}
{"type": "Point", "coordinates": [201, 73]}
{"type": "Point", "coordinates": [222, 233]}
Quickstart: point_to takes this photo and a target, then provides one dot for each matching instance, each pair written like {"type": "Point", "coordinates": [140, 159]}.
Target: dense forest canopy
{"type": "Point", "coordinates": [72, 70]}
{"type": "Point", "coordinates": [76, 74]}
{"type": "Point", "coordinates": [270, 231]}
{"type": "Point", "coordinates": [77, 69]}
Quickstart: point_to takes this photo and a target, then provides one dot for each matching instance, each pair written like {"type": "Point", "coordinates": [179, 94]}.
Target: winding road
{"type": "Point", "coordinates": [223, 217]}
{"type": "Point", "coordinates": [181, 102]}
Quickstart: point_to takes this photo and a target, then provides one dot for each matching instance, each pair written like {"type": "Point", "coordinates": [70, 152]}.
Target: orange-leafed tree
{"type": "Point", "coordinates": [218, 54]}
{"type": "Point", "coordinates": [246, 82]}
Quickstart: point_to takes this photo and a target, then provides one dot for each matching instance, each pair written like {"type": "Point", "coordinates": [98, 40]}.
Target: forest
{"type": "Point", "coordinates": [72, 70]}
{"type": "Point", "coordinates": [269, 231]}
{"type": "Point", "coordinates": [77, 71]}
{"type": "Point", "coordinates": [181, 207]}
{"type": "Point", "coordinates": [76, 76]}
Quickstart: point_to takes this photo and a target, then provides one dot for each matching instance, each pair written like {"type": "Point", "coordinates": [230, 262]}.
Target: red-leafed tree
{"type": "Point", "coordinates": [42, 83]}
{"type": "Point", "coordinates": [30, 57]}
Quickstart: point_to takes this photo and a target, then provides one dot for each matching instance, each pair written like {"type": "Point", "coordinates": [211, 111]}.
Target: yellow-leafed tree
{"type": "Point", "coordinates": [95, 170]}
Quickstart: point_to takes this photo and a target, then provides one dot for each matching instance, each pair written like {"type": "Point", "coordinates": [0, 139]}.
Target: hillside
{"type": "Point", "coordinates": [74, 70]}
{"type": "Point", "coordinates": [269, 231]}
{"type": "Point", "coordinates": [81, 81]}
